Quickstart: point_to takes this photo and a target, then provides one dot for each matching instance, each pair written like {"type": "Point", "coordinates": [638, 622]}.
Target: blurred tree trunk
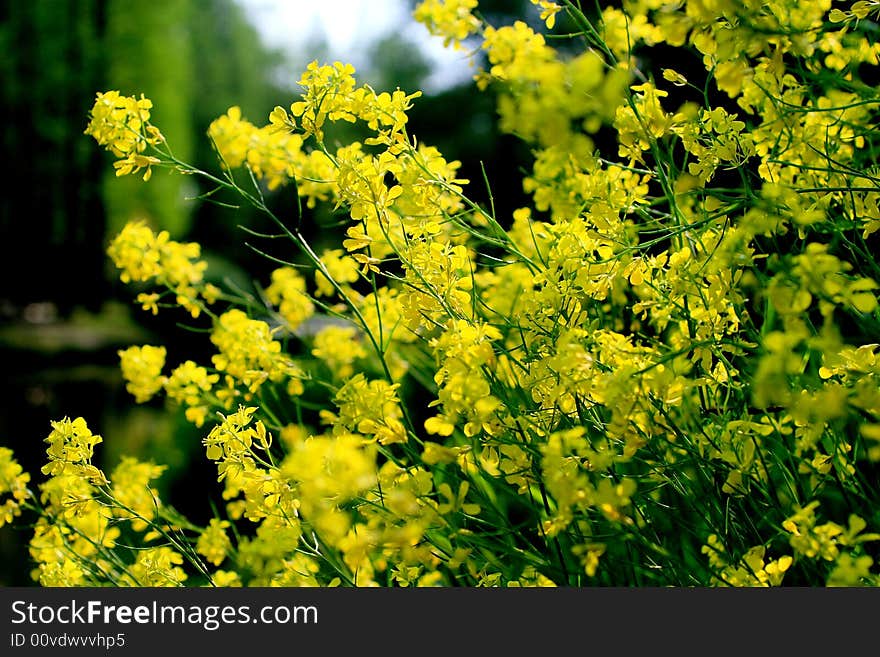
{"type": "Point", "coordinates": [51, 212]}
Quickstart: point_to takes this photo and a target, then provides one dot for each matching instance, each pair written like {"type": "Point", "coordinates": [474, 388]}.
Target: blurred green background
{"type": "Point", "coordinates": [63, 313]}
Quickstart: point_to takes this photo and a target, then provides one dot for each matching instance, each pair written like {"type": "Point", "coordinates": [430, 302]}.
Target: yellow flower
{"type": "Point", "coordinates": [548, 12]}
{"type": "Point", "coordinates": [143, 256]}
{"type": "Point", "coordinates": [248, 352]}
{"type": "Point", "coordinates": [371, 408]}
{"type": "Point", "coordinates": [122, 125]}
{"type": "Point", "coordinates": [154, 567]}
{"type": "Point", "coordinates": [450, 19]}
{"type": "Point", "coordinates": [342, 268]}
{"type": "Point", "coordinates": [288, 292]}
{"type": "Point", "coordinates": [142, 370]}
{"type": "Point", "coordinates": [137, 500]}
{"type": "Point", "coordinates": [188, 383]}
{"type": "Point", "coordinates": [70, 451]}
{"type": "Point", "coordinates": [213, 542]}
{"type": "Point", "coordinates": [12, 480]}
{"type": "Point", "coordinates": [455, 501]}
{"type": "Point", "coordinates": [674, 77]}
{"type": "Point", "coordinates": [339, 347]}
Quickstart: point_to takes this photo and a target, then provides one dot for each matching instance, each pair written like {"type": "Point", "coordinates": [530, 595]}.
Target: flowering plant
{"type": "Point", "coordinates": [663, 371]}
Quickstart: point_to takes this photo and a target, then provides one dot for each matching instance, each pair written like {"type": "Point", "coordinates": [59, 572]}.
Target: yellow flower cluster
{"type": "Point", "coordinates": [189, 384]}
{"type": "Point", "coordinates": [288, 292]}
{"type": "Point", "coordinates": [13, 481]}
{"type": "Point", "coordinates": [751, 570]}
{"type": "Point", "coordinates": [142, 370]}
{"type": "Point", "coordinates": [134, 498]}
{"type": "Point", "coordinates": [83, 514]}
{"type": "Point", "coordinates": [70, 451]}
{"type": "Point", "coordinates": [272, 154]}
{"type": "Point", "coordinates": [145, 256]}
{"type": "Point", "coordinates": [370, 408]}
{"type": "Point", "coordinates": [122, 125]}
{"type": "Point", "coordinates": [451, 19]}
{"type": "Point", "coordinates": [248, 353]}
{"type": "Point", "coordinates": [657, 371]}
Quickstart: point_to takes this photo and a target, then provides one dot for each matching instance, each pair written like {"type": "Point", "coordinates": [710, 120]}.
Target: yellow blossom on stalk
{"type": "Point", "coordinates": [188, 381]}
{"type": "Point", "coordinates": [569, 469]}
{"type": "Point", "coordinates": [454, 501]}
{"type": "Point", "coordinates": [271, 154]}
{"type": "Point", "coordinates": [71, 537]}
{"type": "Point", "coordinates": [567, 179]}
{"type": "Point", "coordinates": [143, 256]}
{"type": "Point", "coordinates": [589, 555]}
{"type": "Point", "coordinates": [462, 351]}
{"type": "Point", "coordinates": [850, 570]}
{"type": "Point", "coordinates": [62, 573]}
{"type": "Point", "coordinates": [623, 31]}
{"type": "Point", "coordinates": [232, 441]}
{"type": "Point", "coordinates": [188, 384]}
{"type": "Point", "coordinates": [342, 268]}
{"type": "Point", "coordinates": [267, 495]}
{"type": "Point", "coordinates": [149, 302]}
{"type": "Point", "coordinates": [134, 162]}
{"type": "Point", "coordinates": [71, 495]}
{"type": "Point", "coordinates": [436, 453]}
{"type": "Point", "coordinates": [545, 98]}
{"type": "Point", "coordinates": [512, 49]}
{"type": "Point", "coordinates": [135, 250]}
{"type": "Point", "coordinates": [142, 370]}
{"type": "Point", "coordinates": [299, 570]}
{"type": "Point", "coordinates": [67, 551]}
{"type": "Point", "coordinates": [154, 567]}
{"type": "Point", "coordinates": [714, 138]}
{"type": "Point", "coordinates": [826, 541]}
{"type": "Point", "coordinates": [339, 347]}
{"type": "Point", "coordinates": [179, 262]}
{"type": "Point", "coordinates": [70, 451]}
{"type": "Point", "coordinates": [548, 11]}
{"type": "Point", "coordinates": [439, 277]}
{"type": "Point", "coordinates": [386, 114]}
{"type": "Point", "coordinates": [281, 121]}
{"type": "Point", "coordinates": [362, 183]}
{"type": "Point", "coordinates": [451, 19]}
{"type": "Point", "coordinates": [825, 275]}
{"type": "Point", "coordinates": [233, 137]}
{"type": "Point", "coordinates": [135, 498]}
{"type": "Point", "coordinates": [750, 570]}
{"type": "Point", "coordinates": [643, 123]}
{"type": "Point", "coordinates": [371, 408]}
{"type": "Point", "coordinates": [329, 471]}
{"type": "Point", "coordinates": [226, 578]}
{"type": "Point", "coordinates": [122, 125]}
{"type": "Point", "coordinates": [329, 91]}
{"type": "Point", "coordinates": [13, 480]}
{"type": "Point", "coordinates": [213, 542]}
{"type": "Point", "coordinates": [248, 352]}
{"type": "Point", "coordinates": [288, 292]}
{"type": "Point", "coordinates": [517, 467]}
{"type": "Point", "coordinates": [685, 309]}
{"type": "Point", "coordinates": [432, 191]}
{"type": "Point", "coordinates": [567, 376]}
{"type": "Point", "coordinates": [674, 77]}
{"type": "Point", "coordinates": [383, 316]}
